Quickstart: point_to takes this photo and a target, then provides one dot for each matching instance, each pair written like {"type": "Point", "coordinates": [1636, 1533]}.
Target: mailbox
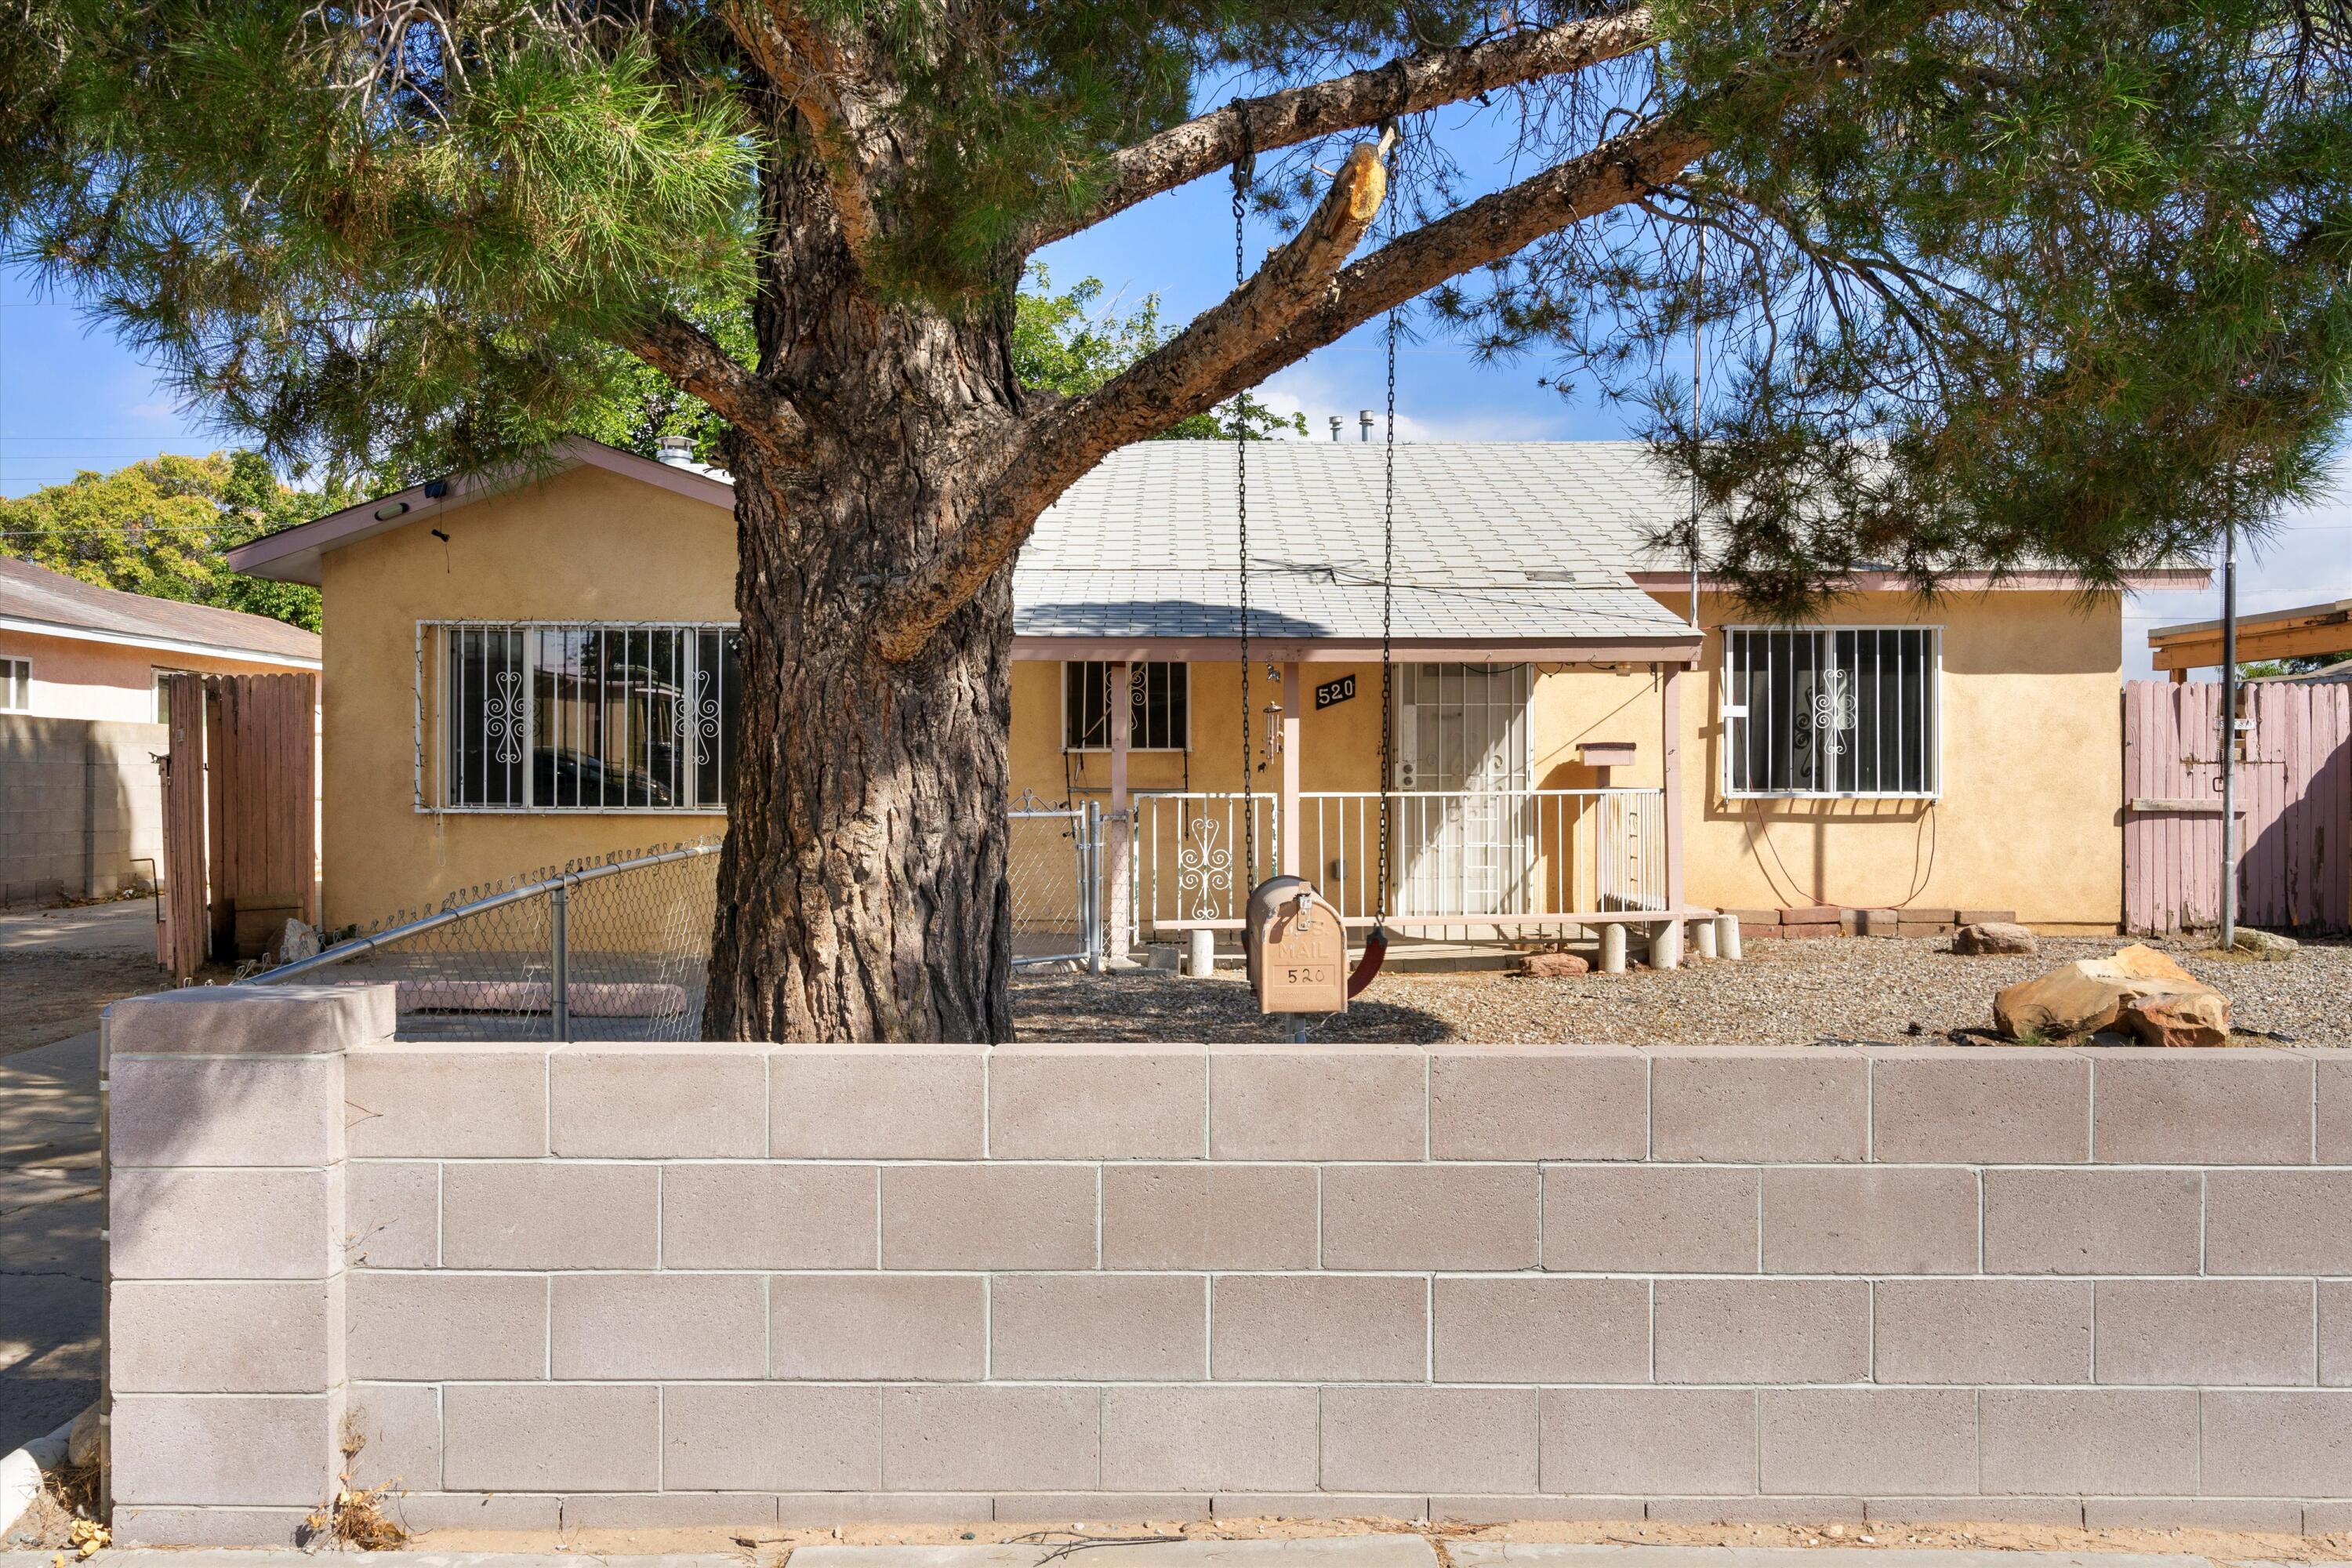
{"type": "Point", "coordinates": [1297, 949]}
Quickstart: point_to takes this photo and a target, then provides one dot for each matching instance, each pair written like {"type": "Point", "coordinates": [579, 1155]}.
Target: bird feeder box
{"type": "Point", "coordinates": [1296, 947]}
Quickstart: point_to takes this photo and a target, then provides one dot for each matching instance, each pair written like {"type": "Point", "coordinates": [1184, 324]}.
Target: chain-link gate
{"type": "Point", "coordinates": [1053, 863]}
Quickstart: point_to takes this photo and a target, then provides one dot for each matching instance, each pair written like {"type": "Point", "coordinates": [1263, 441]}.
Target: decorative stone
{"type": "Point", "coordinates": [1550, 965]}
{"type": "Point", "coordinates": [2264, 944]}
{"type": "Point", "coordinates": [1994, 936]}
{"type": "Point", "coordinates": [2197, 1018]}
{"type": "Point", "coordinates": [2137, 989]}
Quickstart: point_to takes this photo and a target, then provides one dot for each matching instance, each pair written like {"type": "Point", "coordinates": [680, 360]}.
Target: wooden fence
{"type": "Point", "coordinates": [240, 844]}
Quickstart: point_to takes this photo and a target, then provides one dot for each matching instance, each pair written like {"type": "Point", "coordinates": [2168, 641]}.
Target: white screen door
{"type": "Point", "coordinates": [1462, 734]}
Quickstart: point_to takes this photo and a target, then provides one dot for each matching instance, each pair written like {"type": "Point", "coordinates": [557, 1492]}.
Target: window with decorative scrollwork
{"type": "Point", "coordinates": [1158, 707]}
{"type": "Point", "coordinates": [587, 718]}
{"type": "Point", "coordinates": [1850, 712]}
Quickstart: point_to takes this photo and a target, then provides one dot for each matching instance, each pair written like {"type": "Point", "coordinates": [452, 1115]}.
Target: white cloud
{"type": "Point", "coordinates": [1336, 383]}
{"type": "Point", "coordinates": [2306, 560]}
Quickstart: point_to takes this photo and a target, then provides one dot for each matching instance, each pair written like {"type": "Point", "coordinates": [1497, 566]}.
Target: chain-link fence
{"type": "Point", "coordinates": [1052, 860]}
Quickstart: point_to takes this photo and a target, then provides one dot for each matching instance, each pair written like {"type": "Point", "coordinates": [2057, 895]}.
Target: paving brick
{"type": "Point", "coordinates": [1538, 1102]}
{"type": "Point", "coordinates": [664, 1100]}
{"type": "Point", "coordinates": [429, 1327]}
{"type": "Point", "coordinates": [769, 1216]}
{"type": "Point", "coordinates": [1762, 1331]}
{"type": "Point", "coordinates": [1430, 1216]}
{"type": "Point", "coordinates": [1367, 1328]}
{"type": "Point", "coordinates": [2183, 1108]}
{"type": "Point", "coordinates": [224, 1111]}
{"type": "Point", "coordinates": [2281, 1518]}
{"type": "Point", "coordinates": [2288, 1443]}
{"type": "Point", "coordinates": [2278, 1222]}
{"type": "Point", "coordinates": [657, 1325]}
{"type": "Point", "coordinates": [1125, 1102]}
{"type": "Point", "coordinates": [1209, 1216]}
{"type": "Point", "coordinates": [989, 1216]}
{"type": "Point", "coordinates": [1872, 1220]}
{"type": "Point", "coordinates": [569, 1216]}
{"type": "Point", "coordinates": [779, 1437]}
{"type": "Point", "coordinates": [1331, 1102]}
{"type": "Point", "coordinates": [1640, 1218]}
{"type": "Point", "coordinates": [2205, 1331]}
{"type": "Point", "coordinates": [1208, 1439]}
{"type": "Point", "coordinates": [519, 1436]}
{"type": "Point", "coordinates": [2070, 1440]}
{"type": "Point", "coordinates": [1429, 1439]}
{"type": "Point", "coordinates": [399, 1425]}
{"type": "Point", "coordinates": [253, 1450]}
{"type": "Point", "coordinates": [2091, 1222]}
{"type": "Point", "coordinates": [206, 1337]}
{"type": "Point", "coordinates": [448, 1101]}
{"type": "Point", "coordinates": [1982, 1330]}
{"type": "Point", "coordinates": [876, 1102]}
{"type": "Point", "coordinates": [1637, 1441]}
{"type": "Point", "coordinates": [1996, 1106]}
{"type": "Point", "coordinates": [1918, 1442]}
{"type": "Point", "coordinates": [250, 1020]}
{"type": "Point", "coordinates": [855, 1328]}
{"type": "Point", "coordinates": [1540, 1330]}
{"type": "Point", "coordinates": [1110, 1326]}
{"type": "Point", "coordinates": [990, 1438]}
{"type": "Point", "coordinates": [392, 1213]}
{"type": "Point", "coordinates": [225, 1224]}
{"type": "Point", "coordinates": [1746, 1102]}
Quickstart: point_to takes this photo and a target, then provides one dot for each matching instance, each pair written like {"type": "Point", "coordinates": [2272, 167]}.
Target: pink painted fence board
{"type": "Point", "coordinates": [2295, 797]}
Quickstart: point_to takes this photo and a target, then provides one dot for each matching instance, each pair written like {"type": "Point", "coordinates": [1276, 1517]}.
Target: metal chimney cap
{"type": "Point", "coordinates": [677, 451]}
{"type": "Point", "coordinates": [1335, 423]}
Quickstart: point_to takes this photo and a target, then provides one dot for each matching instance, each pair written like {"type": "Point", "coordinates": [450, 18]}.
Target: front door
{"type": "Point", "coordinates": [1461, 771]}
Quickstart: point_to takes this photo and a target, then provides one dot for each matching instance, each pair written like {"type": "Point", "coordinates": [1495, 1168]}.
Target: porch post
{"type": "Point", "coordinates": [1119, 698]}
{"type": "Point", "coordinates": [1290, 829]}
{"type": "Point", "coordinates": [1670, 706]}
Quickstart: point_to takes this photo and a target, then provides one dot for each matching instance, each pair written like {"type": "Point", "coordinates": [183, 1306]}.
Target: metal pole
{"type": "Point", "coordinates": [1093, 897]}
{"type": "Point", "coordinates": [2229, 734]}
{"type": "Point", "coordinates": [1698, 298]}
{"type": "Point", "coordinates": [560, 941]}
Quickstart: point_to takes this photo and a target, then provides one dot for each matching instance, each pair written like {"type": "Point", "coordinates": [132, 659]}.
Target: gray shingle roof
{"type": "Point", "coordinates": [38, 594]}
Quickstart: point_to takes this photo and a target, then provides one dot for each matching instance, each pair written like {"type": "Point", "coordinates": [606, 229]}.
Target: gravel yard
{"type": "Point", "coordinates": [1895, 990]}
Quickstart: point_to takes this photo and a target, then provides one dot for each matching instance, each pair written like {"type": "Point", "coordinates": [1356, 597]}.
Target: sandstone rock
{"type": "Point", "coordinates": [1994, 936]}
{"type": "Point", "coordinates": [2264, 944]}
{"type": "Point", "coordinates": [1551, 965]}
{"type": "Point", "coordinates": [2139, 990]}
{"type": "Point", "coordinates": [2191, 1018]}
{"type": "Point", "coordinates": [2141, 962]}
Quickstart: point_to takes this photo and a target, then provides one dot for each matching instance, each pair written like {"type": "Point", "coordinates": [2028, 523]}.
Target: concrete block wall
{"type": "Point", "coordinates": [617, 1285]}
{"type": "Point", "coordinates": [80, 801]}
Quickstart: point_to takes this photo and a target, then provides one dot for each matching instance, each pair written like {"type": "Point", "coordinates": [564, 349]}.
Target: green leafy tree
{"type": "Point", "coordinates": [1062, 344]}
{"type": "Point", "coordinates": [1990, 283]}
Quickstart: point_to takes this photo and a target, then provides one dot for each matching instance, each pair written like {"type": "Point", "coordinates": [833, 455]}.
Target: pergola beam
{"type": "Point", "coordinates": [2283, 634]}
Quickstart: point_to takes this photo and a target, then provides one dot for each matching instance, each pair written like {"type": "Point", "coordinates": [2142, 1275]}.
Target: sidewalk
{"type": "Point", "coordinates": [50, 1260]}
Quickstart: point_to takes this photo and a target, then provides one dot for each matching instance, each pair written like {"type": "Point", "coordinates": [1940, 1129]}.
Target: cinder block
{"type": "Point", "coordinates": [1109, 1327]}
{"type": "Point", "coordinates": [392, 1215]}
{"type": "Point", "coordinates": [250, 1020]}
{"type": "Point", "coordinates": [1537, 1329]}
{"type": "Point", "coordinates": [2279, 1518]}
{"type": "Point", "coordinates": [1538, 1102]}
{"type": "Point", "coordinates": [1870, 1220]}
{"type": "Point", "coordinates": [2205, 1331]}
{"type": "Point", "coordinates": [2293, 1444]}
{"type": "Point", "coordinates": [429, 1327]}
{"type": "Point", "coordinates": [251, 1450]}
{"type": "Point", "coordinates": [1864, 1442]}
{"type": "Point", "coordinates": [1762, 1331]}
{"type": "Point", "coordinates": [1643, 1218]}
{"type": "Point", "coordinates": [447, 1101]}
{"type": "Point", "coordinates": [1794, 1509]}
{"type": "Point", "coordinates": [1640, 1441]}
{"type": "Point", "coordinates": [670, 1511]}
{"type": "Point", "coordinates": [822, 1508]}
{"type": "Point", "coordinates": [2332, 1111]}
{"type": "Point", "coordinates": [1453, 1509]}
{"type": "Point", "coordinates": [521, 1436]}
{"type": "Point", "coordinates": [1430, 1216]}
{"type": "Point", "coordinates": [1308, 1102]}
{"type": "Point", "coordinates": [1878, 922]}
{"type": "Point", "coordinates": [2278, 1222]}
{"type": "Point", "coordinates": [1745, 1103]}
{"type": "Point", "coordinates": [1982, 1330]}
{"type": "Point", "coordinates": [2336, 1333]}
{"type": "Point", "coordinates": [251, 1336]}
{"type": "Point", "coordinates": [1317, 1505]}
{"type": "Point", "coordinates": [658, 1100]}
{"type": "Point", "coordinates": [2065, 1513]}
{"type": "Point", "coordinates": [2091, 1222]}
{"type": "Point", "coordinates": [779, 1437]}
{"type": "Point", "coordinates": [1208, 1439]}
{"type": "Point", "coordinates": [1998, 1106]}
{"type": "Point", "coordinates": [2188, 1108]}
{"type": "Point", "coordinates": [2089, 1440]}
{"type": "Point", "coordinates": [1079, 1102]}
{"type": "Point", "coordinates": [1311, 1328]}
{"type": "Point", "coordinates": [224, 1111]}
{"type": "Point", "coordinates": [225, 1224]}
{"type": "Point", "coordinates": [209, 1527]}
{"type": "Point", "coordinates": [989, 1216]}
{"type": "Point", "coordinates": [399, 1426]}
{"type": "Point", "coordinates": [769, 1216]}
{"type": "Point", "coordinates": [1209, 1216]}
{"type": "Point", "coordinates": [658, 1326]}
{"type": "Point", "coordinates": [852, 1328]}
{"type": "Point", "coordinates": [1097, 1508]}
{"type": "Point", "coordinates": [876, 1102]}
{"type": "Point", "coordinates": [989, 1437]}
{"type": "Point", "coordinates": [567, 1216]}
{"type": "Point", "coordinates": [1429, 1439]}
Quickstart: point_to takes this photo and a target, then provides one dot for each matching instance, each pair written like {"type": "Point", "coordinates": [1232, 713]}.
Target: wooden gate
{"type": "Point", "coordinates": [239, 814]}
{"type": "Point", "coordinates": [2295, 805]}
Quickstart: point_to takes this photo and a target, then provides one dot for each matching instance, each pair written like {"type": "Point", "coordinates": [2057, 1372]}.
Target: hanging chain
{"type": "Point", "coordinates": [1241, 167]}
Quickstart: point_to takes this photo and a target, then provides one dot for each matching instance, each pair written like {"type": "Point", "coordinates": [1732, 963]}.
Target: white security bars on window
{"type": "Point", "coordinates": [1849, 711]}
{"type": "Point", "coordinates": [541, 717]}
{"type": "Point", "coordinates": [1159, 705]}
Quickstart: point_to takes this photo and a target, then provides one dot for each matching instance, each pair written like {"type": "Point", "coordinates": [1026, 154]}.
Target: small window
{"type": "Point", "coordinates": [1832, 711]}
{"type": "Point", "coordinates": [1159, 716]}
{"type": "Point", "coordinates": [15, 686]}
{"type": "Point", "coordinates": [157, 676]}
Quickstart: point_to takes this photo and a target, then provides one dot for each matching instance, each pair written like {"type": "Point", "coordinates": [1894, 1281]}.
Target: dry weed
{"type": "Point", "coordinates": [355, 1517]}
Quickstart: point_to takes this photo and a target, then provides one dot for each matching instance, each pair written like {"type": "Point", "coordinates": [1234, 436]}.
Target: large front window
{"type": "Point", "coordinates": [1831, 711]}
{"type": "Point", "coordinates": [588, 718]}
{"type": "Point", "coordinates": [1158, 707]}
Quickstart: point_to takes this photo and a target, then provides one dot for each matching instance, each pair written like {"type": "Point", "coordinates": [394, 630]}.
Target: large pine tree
{"type": "Point", "coordinates": [1998, 281]}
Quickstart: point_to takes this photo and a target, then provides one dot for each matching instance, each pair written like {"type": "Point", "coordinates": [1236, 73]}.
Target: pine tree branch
{"type": "Point", "coordinates": [1406, 85]}
{"type": "Point", "coordinates": [693, 359]}
{"type": "Point", "coordinates": [795, 56]}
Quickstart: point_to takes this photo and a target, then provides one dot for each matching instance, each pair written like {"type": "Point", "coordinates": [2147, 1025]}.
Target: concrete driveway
{"type": "Point", "coordinates": [51, 1264]}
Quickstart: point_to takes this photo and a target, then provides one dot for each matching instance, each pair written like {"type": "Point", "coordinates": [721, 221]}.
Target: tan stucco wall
{"type": "Point", "coordinates": [76, 679]}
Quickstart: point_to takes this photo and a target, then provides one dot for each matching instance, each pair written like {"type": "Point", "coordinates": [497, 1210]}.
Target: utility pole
{"type": "Point", "coordinates": [2229, 733]}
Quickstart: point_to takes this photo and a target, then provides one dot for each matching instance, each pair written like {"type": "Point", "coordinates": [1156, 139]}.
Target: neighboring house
{"type": "Point", "coordinates": [544, 668]}
{"type": "Point", "coordinates": [81, 721]}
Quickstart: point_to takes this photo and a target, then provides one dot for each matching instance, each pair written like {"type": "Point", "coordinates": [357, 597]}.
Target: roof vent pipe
{"type": "Point", "coordinates": [677, 451]}
{"type": "Point", "coordinates": [1364, 425]}
{"type": "Point", "coordinates": [1334, 427]}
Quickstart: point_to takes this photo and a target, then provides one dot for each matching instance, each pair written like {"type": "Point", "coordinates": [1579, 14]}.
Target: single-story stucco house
{"type": "Point", "coordinates": [533, 669]}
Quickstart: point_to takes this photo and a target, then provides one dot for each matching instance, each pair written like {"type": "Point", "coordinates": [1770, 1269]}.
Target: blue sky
{"type": "Point", "coordinates": [71, 398]}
